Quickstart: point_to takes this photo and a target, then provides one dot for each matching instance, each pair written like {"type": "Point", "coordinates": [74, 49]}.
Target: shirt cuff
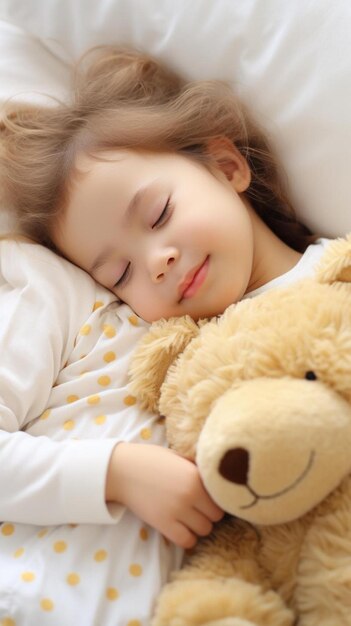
{"type": "Point", "coordinates": [85, 465]}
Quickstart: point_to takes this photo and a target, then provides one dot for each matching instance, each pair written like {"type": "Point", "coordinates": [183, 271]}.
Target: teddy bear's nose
{"type": "Point", "coordinates": [234, 465]}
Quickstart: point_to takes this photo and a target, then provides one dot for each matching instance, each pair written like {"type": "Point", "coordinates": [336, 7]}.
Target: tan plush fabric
{"type": "Point", "coordinates": [261, 399]}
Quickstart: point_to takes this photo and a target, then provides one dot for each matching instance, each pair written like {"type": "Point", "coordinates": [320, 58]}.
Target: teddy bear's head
{"type": "Point", "coordinates": [261, 397]}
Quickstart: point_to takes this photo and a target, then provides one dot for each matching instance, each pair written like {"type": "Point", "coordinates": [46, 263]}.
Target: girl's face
{"type": "Point", "coordinates": [161, 231]}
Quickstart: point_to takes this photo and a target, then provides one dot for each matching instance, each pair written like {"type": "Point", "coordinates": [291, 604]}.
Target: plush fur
{"type": "Point", "coordinates": [261, 399]}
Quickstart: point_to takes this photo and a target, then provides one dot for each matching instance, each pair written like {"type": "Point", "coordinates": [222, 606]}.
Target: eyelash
{"type": "Point", "coordinates": [160, 220]}
{"type": "Point", "coordinates": [164, 215]}
{"type": "Point", "coordinates": [124, 277]}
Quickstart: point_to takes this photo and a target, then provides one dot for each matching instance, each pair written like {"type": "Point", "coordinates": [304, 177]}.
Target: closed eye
{"type": "Point", "coordinates": [123, 279]}
{"type": "Point", "coordinates": [164, 215]}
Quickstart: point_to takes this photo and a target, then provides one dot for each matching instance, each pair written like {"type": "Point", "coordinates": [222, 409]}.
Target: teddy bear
{"type": "Point", "coordinates": [260, 399]}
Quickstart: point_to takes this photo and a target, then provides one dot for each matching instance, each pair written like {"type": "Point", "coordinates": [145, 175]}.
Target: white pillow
{"type": "Point", "coordinates": [291, 62]}
{"type": "Point", "coordinates": [28, 70]}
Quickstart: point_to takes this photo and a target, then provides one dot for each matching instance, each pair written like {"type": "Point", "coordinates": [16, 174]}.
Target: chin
{"type": "Point", "coordinates": [208, 313]}
{"type": "Point", "coordinates": [219, 309]}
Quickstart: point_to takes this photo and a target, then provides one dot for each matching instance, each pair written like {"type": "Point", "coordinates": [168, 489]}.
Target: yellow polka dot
{"type": "Point", "coordinates": [112, 593]}
{"type": "Point", "coordinates": [93, 399]}
{"type": "Point", "coordinates": [7, 621]}
{"type": "Point", "coordinates": [73, 579]}
{"type": "Point", "coordinates": [97, 305]}
{"type": "Point", "coordinates": [46, 604]}
{"type": "Point", "coordinates": [100, 555]}
{"type": "Point", "coordinates": [135, 569]}
{"type": "Point", "coordinates": [42, 533]}
{"type": "Point", "coordinates": [100, 419]}
{"type": "Point", "coordinates": [45, 415]}
{"type": "Point", "coordinates": [109, 357]}
{"type": "Point", "coordinates": [129, 400]}
{"type": "Point", "coordinates": [69, 425]}
{"type": "Point", "coordinates": [144, 534]}
{"type": "Point", "coordinates": [104, 381]}
{"type": "Point", "coordinates": [145, 433]}
{"type": "Point", "coordinates": [72, 398]}
{"type": "Point", "coordinates": [109, 330]}
{"type": "Point", "coordinates": [19, 552]}
{"type": "Point", "coordinates": [85, 330]}
{"type": "Point", "coordinates": [134, 622]}
{"type": "Point", "coordinates": [60, 546]}
{"type": "Point", "coordinates": [133, 320]}
{"type": "Point", "coordinates": [7, 529]}
{"type": "Point", "coordinates": [28, 577]}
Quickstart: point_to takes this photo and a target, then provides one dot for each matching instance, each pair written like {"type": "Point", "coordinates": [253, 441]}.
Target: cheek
{"type": "Point", "coordinates": [215, 212]}
{"type": "Point", "coordinates": [196, 228]}
{"type": "Point", "coordinates": [143, 302]}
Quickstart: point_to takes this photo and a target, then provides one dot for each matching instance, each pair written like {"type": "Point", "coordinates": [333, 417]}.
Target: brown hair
{"type": "Point", "coordinates": [126, 99]}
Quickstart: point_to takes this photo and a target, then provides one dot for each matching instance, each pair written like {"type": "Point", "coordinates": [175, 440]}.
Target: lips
{"type": "Point", "coordinates": [193, 280]}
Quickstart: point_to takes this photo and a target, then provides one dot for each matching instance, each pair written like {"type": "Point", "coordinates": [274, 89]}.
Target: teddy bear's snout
{"type": "Point", "coordinates": [234, 466]}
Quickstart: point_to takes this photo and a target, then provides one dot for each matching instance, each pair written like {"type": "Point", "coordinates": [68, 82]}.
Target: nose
{"type": "Point", "coordinates": [160, 263]}
{"type": "Point", "coordinates": [234, 466]}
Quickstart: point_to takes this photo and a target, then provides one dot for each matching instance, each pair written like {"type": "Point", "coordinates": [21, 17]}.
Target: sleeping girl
{"type": "Point", "coordinates": [151, 198]}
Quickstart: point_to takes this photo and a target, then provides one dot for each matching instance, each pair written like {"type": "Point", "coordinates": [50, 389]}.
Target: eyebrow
{"type": "Point", "coordinates": [132, 206]}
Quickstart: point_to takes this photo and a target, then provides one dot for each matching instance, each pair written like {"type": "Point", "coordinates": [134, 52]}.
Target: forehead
{"type": "Point", "coordinates": [94, 172]}
{"type": "Point", "coordinates": [115, 175]}
{"type": "Point", "coordinates": [103, 178]}
{"type": "Point", "coordinates": [104, 183]}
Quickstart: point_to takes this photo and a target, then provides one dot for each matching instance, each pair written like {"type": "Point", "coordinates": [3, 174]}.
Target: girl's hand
{"type": "Point", "coordinates": [163, 489]}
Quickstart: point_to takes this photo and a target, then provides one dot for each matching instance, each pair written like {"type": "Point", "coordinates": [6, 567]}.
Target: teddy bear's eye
{"type": "Point", "coordinates": [310, 375]}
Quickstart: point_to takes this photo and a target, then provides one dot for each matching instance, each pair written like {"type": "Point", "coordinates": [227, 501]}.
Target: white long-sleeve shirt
{"type": "Point", "coordinates": [66, 556]}
{"type": "Point", "coordinates": [44, 301]}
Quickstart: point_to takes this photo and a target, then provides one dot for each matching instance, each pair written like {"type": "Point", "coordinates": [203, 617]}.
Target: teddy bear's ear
{"type": "Point", "coordinates": [156, 352]}
{"type": "Point", "coordinates": [336, 262]}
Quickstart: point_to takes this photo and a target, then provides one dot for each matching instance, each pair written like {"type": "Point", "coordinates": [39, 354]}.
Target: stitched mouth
{"type": "Point", "coordinates": [257, 497]}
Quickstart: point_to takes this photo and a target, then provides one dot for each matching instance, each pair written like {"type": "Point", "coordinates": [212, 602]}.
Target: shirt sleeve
{"type": "Point", "coordinates": [44, 300]}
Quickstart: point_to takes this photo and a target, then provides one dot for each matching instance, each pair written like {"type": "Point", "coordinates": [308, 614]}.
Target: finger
{"type": "Point", "coordinates": [210, 509]}
{"type": "Point", "coordinates": [181, 535]}
{"type": "Point", "coordinates": [197, 523]}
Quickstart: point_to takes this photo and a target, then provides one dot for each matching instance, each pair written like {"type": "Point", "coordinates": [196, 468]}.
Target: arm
{"type": "Point", "coordinates": [43, 302]}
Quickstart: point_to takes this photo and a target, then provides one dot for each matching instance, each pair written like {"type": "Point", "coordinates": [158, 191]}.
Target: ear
{"type": "Point", "coordinates": [156, 352]}
{"type": "Point", "coordinates": [335, 265]}
{"type": "Point", "coordinates": [229, 160]}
